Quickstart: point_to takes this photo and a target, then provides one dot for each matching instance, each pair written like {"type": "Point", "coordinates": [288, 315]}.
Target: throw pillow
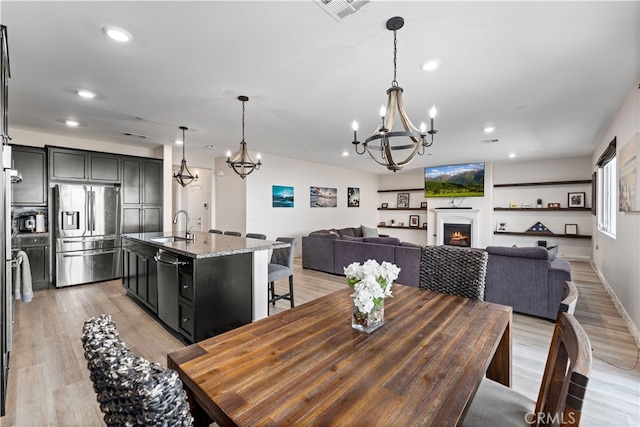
{"type": "Point", "coordinates": [553, 252]}
{"type": "Point", "coordinates": [369, 231]}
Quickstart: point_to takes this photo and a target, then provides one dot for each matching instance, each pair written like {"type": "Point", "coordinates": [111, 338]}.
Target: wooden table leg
{"type": "Point", "coordinates": [500, 367]}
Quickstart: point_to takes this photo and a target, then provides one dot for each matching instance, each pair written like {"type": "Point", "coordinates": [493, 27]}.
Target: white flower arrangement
{"type": "Point", "coordinates": [371, 282]}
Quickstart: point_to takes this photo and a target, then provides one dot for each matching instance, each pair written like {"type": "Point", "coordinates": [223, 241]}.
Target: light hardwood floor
{"type": "Point", "coordinates": [49, 383]}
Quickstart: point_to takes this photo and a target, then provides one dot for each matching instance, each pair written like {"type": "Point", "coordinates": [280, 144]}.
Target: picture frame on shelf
{"type": "Point", "coordinates": [414, 220]}
{"type": "Point", "coordinates": [424, 225]}
{"type": "Point", "coordinates": [385, 206]}
{"type": "Point", "coordinates": [526, 205]}
{"type": "Point", "coordinates": [513, 205]}
{"type": "Point", "coordinates": [381, 224]}
{"type": "Point", "coordinates": [553, 205]}
{"type": "Point", "coordinates": [403, 200]}
{"type": "Point", "coordinates": [401, 224]}
{"type": "Point", "coordinates": [571, 229]}
{"type": "Point", "coordinates": [423, 205]}
{"type": "Point", "coordinates": [576, 199]}
{"type": "Point", "coordinates": [502, 227]}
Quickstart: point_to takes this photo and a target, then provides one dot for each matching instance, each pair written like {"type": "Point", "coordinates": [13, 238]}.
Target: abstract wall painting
{"type": "Point", "coordinates": [282, 196]}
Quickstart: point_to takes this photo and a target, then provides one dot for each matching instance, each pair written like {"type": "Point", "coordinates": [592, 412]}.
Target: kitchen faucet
{"type": "Point", "coordinates": [187, 235]}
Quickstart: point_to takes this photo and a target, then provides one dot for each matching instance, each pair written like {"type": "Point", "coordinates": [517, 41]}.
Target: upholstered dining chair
{"type": "Point", "coordinates": [214, 231]}
{"type": "Point", "coordinates": [233, 233]}
{"type": "Point", "coordinates": [130, 389]}
{"type": "Point", "coordinates": [256, 236]}
{"type": "Point", "coordinates": [281, 266]}
{"type": "Point", "coordinates": [562, 395]}
{"type": "Point", "coordinates": [453, 270]}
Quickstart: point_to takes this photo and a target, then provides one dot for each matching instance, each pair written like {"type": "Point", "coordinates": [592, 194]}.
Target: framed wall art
{"type": "Point", "coordinates": [323, 197]}
{"type": "Point", "coordinates": [576, 200]}
{"type": "Point", "coordinates": [281, 196]}
{"type": "Point", "coordinates": [571, 229]}
{"type": "Point", "coordinates": [414, 220]}
{"type": "Point", "coordinates": [353, 197]}
{"type": "Point", "coordinates": [403, 200]}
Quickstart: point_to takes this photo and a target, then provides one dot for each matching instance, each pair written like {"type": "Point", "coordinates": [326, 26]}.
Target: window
{"type": "Point", "coordinates": [607, 190]}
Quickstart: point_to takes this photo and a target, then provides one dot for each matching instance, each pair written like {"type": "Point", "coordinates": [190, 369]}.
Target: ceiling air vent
{"type": "Point", "coordinates": [490, 141]}
{"type": "Point", "coordinates": [340, 9]}
{"type": "Point", "coordinates": [135, 135]}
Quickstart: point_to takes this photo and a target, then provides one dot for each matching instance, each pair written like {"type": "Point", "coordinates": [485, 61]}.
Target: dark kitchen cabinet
{"type": "Point", "coordinates": [31, 162]}
{"type": "Point", "coordinates": [37, 250]}
{"type": "Point", "coordinates": [141, 195]}
{"type": "Point", "coordinates": [78, 165]}
{"type": "Point", "coordinates": [139, 273]}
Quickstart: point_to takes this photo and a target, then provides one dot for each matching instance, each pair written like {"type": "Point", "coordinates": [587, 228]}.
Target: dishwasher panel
{"type": "Point", "coordinates": [168, 288]}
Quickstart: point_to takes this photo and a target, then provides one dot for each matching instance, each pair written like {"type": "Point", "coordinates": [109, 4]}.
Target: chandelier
{"type": "Point", "coordinates": [242, 163]}
{"type": "Point", "coordinates": [183, 176]}
{"type": "Point", "coordinates": [379, 144]}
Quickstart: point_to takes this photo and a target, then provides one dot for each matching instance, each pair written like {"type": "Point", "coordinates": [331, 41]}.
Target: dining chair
{"type": "Point", "coordinates": [561, 396]}
{"type": "Point", "coordinates": [130, 389]}
{"type": "Point", "coordinates": [256, 236]}
{"type": "Point", "coordinates": [569, 297]}
{"type": "Point", "coordinates": [281, 266]}
{"type": "Point", "coordinates": [214, 231]}
{"type": "Point", "coordinates": [453, 270]}
{"type": "Point", "coordinates": [233, 233]}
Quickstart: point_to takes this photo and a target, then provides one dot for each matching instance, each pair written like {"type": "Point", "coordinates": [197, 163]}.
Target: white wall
{"type": "Point", "coordinates": [414, 178]}
{"type": "Point", "coordinates": [261, 217]}
{"type": "Point", "coordinates": [180, 199]}
{"type": "Point", "coordinates": [231, 195]}
{"type": "Point", "coordinates": [571, 169]}
{"type": "Point", "coordinates": [616, 259]}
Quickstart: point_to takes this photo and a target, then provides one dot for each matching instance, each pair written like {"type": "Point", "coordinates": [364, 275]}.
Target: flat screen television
{"type": "Point", "coordinates": [464, 180]}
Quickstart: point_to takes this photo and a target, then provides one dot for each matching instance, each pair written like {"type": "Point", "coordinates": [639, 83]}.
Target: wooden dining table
{"type": "Point", "coordinates": [307, 366]}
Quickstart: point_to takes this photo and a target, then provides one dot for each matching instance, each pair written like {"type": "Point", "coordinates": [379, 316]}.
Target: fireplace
{"type": "Point", "coordinates": [457, 227]}
{"type": "Point", "coordinates": [457, 235]}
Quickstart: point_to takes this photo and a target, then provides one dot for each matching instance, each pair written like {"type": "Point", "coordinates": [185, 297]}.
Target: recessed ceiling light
{"type": "Point", "coordinates": [345, 153]}
{"type": "Point", "coordinates": [489, 129]}
{"type": "Point", "coordinates": [512, 155]}
{"type": "Point", "coordinates": [118, 34]}
{"type": "Point", "coordinates": [430, 65]}
{"type": "Point", "coordinates": [85, 93]}
{"type": "Point", "coordinates": [210, 147]}
{"type": "Point", "coordinates": [179, 141]}
{"type": "Point", "coordinates": [72, 123]}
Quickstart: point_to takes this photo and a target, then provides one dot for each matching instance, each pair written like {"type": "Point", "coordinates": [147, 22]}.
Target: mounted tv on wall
{"type": "Point", "coordinates": [465, 180]}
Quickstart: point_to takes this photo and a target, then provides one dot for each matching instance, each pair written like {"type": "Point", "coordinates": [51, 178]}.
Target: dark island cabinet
{"type": "Point", "coordinates": [31, 162]}
{"type": "Point", "coordinates": [78, 165]}
{"type": "Point", "coordinates": [139, 273]}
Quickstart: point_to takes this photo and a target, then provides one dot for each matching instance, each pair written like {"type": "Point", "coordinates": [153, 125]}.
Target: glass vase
{"type": "Point", "coordinates": [367, 322]}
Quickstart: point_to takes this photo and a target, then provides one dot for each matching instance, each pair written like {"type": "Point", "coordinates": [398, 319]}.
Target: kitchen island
{"type": "Point", "coordinates": [201, 287]}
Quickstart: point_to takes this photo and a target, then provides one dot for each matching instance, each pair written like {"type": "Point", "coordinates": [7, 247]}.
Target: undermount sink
{"type": "Point", "coordinates": [168, 239]}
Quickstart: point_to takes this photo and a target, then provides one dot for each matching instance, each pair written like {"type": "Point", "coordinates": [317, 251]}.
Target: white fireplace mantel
{"type": "Point", "coordinates": [457, 216]}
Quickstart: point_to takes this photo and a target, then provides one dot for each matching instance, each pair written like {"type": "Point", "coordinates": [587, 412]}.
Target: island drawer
{"type": "Point", "coordinates": [186, 286]}
{"type": "Point", "coordinates": [187, 316]}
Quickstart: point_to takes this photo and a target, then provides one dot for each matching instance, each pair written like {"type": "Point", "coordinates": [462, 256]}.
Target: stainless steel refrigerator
{"type": "Point", "coordinates": [87, 233]}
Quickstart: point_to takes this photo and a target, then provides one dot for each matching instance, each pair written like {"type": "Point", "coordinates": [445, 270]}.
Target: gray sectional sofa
{"type": "Point", "coordinates": [529, 279]}
{"type": "Point", "coordinates": [332, 250]}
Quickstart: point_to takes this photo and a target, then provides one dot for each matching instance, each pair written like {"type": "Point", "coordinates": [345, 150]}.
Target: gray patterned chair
{"type": "Point", "coordinates": [131, 390]}
{"type": "Point", "coordinates": [281, 266]}
{"type": "Point", "coordinates": [452, 270]}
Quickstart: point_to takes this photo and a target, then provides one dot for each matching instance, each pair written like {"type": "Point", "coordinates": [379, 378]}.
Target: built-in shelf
{"type": "Point", "coordinates": [543, 209]}
{"type": "Point", "coordinates": [529, 184]}
{"type": "Point", "coordinates": [404, 190]}
{"type": "Point", "coordinates": [403, 227]}
{"type": "Point", "coordinates": [402, 209]}
{"type": "Point", "coordinates": [571, 236]}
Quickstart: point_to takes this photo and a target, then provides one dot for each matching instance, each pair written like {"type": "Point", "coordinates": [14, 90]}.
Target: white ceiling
{"type": "Point", "coordinates": [548, 75]}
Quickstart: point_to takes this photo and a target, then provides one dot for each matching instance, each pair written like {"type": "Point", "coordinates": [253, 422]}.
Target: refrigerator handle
{"type": "Point", "coordinates": [93, 211]}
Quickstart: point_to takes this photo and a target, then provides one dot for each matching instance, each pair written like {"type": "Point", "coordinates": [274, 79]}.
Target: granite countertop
{"type": "Point", "coordinates": [205, 245]}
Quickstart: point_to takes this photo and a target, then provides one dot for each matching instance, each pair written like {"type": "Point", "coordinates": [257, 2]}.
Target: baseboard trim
{"type": "Point", "coordinates": [633, 330]}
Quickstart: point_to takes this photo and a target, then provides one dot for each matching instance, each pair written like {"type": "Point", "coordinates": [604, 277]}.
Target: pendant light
{"type": "Point", "coordinates": [379, 145]}
{"type": "Point", "coordinates": [183, 176]}
{"type": "Point", "coordinates": [242, 163]}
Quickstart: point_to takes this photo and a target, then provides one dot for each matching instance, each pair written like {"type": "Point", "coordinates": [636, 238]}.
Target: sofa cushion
{"type": "Point", "coordinates": [552, 252]}
{"type": "Point", "coordinates": [348, 231]}
{"type": "Point", "coordinates": [369, 231]}
{"type": "Point", "coordinates": [325, 235]}
{"type": "Point", "coordinates": [532, 252]}
{"type": "Point", "coordinates": [382, 240]}
{"type": "Point", "coordinates": [410, 245]}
